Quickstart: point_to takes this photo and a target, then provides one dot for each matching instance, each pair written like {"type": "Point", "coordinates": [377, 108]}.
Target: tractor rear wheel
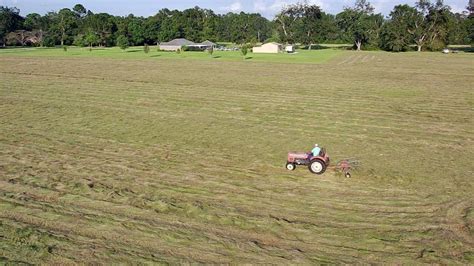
{"type": "Point", "coordinates": [290, 166]}
{"type": "Point", "coordinates": [317, 166]}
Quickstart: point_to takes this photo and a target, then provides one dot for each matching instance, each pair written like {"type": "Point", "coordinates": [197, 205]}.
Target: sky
{"type": "Point", "coordinates": [267, 8]}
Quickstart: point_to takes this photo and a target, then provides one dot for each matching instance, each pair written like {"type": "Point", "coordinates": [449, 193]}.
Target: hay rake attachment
{"type": "Point", "coordinates": [345, 166]}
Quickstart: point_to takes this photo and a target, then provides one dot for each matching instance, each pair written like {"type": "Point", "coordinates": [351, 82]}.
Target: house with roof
{"type": "Point", "coordinates": [268, 48]}
{"type": "Point", "coordinates": [176, 44]}
{"type": "Point", "coordinates": [208, 44]}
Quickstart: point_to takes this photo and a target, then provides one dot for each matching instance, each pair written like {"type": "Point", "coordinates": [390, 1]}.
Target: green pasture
{"type": "Point", "coordinates": [302, 56]}
{"type": "Point", "coordinates": [164, 158]}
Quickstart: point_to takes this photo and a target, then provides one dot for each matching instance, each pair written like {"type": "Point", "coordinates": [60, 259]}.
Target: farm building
{"type": "Point", "coordinates": [208, 44]}
{"type": "Point", "coordinates": [201, 46]}
{"type": "Point", "coordinates": [178, 43]}
{"type": "Point", "coordinates": [175, 44]}
{"type": "Point", "coordinates": [269, 48]}
{"type": "Point", "coordinates": [290, 49]}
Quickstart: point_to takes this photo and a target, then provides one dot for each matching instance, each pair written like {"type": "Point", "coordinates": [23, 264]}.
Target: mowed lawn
{"type": "Point", "coordinates": [301, 56]}
{"type": "Point", "coordinates": [139, 159]}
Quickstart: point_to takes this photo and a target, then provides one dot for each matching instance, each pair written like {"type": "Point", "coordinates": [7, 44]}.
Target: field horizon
{"type": "Point", "coordinates": [137, 52]}
{"type": "Point", "coordinates": [127, 158]}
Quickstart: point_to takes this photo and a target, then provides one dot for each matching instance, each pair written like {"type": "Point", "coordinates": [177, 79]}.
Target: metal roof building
{"type": "Point", "coordinates": [268, 48]}
{"type": "Point", "coordinates": [175, 44]}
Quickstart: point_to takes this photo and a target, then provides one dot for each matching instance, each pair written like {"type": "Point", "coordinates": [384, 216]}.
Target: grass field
{"type": "Point", "coordinates": [302, 56]}
{"type": "Point", "coordinates": [114, 157]}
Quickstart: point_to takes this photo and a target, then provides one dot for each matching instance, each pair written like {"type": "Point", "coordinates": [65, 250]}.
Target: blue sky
{"type": "Point", "coordinates": [149, 7]}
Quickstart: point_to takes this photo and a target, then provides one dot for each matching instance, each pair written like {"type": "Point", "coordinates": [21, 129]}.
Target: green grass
{"type": "Point", "coordinates": [145, 160]}
{"type": "Point", "coordinates": [302, 56]}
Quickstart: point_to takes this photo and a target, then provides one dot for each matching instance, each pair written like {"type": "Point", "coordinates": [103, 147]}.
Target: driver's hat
{"type": "Point", "coordinates": [316, 145]}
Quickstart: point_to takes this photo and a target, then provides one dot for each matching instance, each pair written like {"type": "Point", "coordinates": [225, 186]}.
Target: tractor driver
{"type": "Point", "coordinates": [316, 150]}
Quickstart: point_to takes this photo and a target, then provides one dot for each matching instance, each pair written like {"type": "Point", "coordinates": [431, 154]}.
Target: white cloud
{"type": "Point", "coordinates": [260, 6]}
{"type": "Point", "coordinates": [382, 6]}
{"type": "Point", "coordinates": [278, 5]}
{"type": "Point", "coordinates": [269, 8]}
{"type": "Point", "coordinates": [321, 3]}
{"type": "Point", "coordinates": [234, 7]}
{"type": "Point", "coordinates": [272, 7]}
{"type": "Point", "coordinates": [8, 2]}
{"type": "Point", "coordinates": [458, 8]}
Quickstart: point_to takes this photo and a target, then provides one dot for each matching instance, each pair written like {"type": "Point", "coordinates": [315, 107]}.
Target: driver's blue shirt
{"type": "Point", "coordinates": [316, 151]}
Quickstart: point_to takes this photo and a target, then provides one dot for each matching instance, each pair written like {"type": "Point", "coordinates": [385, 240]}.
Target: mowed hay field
{"type": "Point", "coordinates": [133, 160]}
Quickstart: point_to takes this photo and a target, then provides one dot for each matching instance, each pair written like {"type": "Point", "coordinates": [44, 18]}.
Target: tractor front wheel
{"type": "Point", "coordinates": [290, 166]}
{"type": "Point", "coordinates": [317, 166]}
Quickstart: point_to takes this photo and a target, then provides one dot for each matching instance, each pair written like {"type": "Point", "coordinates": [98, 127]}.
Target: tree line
{"type": "Point", "coordinates": [426, 26]}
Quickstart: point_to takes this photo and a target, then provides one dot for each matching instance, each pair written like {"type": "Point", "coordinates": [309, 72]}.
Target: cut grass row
{"type": "Point", "coordinates": [150, 161]}
{"type": "Point", "coordinates": [302, 56]}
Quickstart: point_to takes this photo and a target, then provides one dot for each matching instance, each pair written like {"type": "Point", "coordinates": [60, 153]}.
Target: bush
{"type": "Point", "coordinates": [91, 39]}
{"type": "Point", "coordinates": [122, 42]}
{"type": "Point", "coordinates": [178, 51]}
{"type": "Point", "coordinates": [146, 48]}
{"type": "Point", "coordinates": [49, 41]}
{"type": "Point", "coordinates": [65, 48]}
{"type": "Point", "coordinates": [437, 45]}
{"type": "Point", "coordinates": [79, 40]}
{"type": "Point", "coordinates": [244, 50]}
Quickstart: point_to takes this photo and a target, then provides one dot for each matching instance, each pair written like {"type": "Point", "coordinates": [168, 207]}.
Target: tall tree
{"type": "Point", "coordinates": [470, 22]}
{"type": "Point", "coordinates": [288, 20]}
{"type": "Point", "coordinates": [79, 10]}
{"type": "Point", "coordinates": [10, 20]}
{"type": "Point", "coordinates": [396, 33]}
{"type": "Point", "coordinates": [430, 25]}
{"type": "Point", "coordinates": [171, 25]}
{"type": "Point", "coordinates": [209, 31]}
{"type": "Point", "coordinates": [38, 25]}
{"type": "Point", "coordinates": [102, 24]}
{"type": "Point", "coordinates": [458, 32]}
{"type": "Point", "coordinates": [66, 21]}
{"type": "Point", "coordinates": [151, 29]}
{"type": "Point", "coordinates": [91, 39]}
{"type": "Point", "coordinates": [301, 22]}
{"type": "Point", "coordinates": [359, 24]}
{"type": "Point", "coordinates": [53, 33]}
{"type": "Point", "coordinates": [243, 27]}
{"type": "Point", "coordinates": [131, 27]}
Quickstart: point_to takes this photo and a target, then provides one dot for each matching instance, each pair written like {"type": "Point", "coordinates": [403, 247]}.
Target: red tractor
{"type": "Point", "coordinates": [317, 164]}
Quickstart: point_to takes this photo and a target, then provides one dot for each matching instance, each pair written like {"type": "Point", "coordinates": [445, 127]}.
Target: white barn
{"type": "Point", "coordinates": [268, 48]}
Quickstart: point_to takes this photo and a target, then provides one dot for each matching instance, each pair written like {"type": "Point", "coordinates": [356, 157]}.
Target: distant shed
{"type": "Point", "coordinates": [268, 48]}
{"type": "Point", "coordinates": [208, 44]}
{"type": "Point", "coordinates": [175, 44]}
